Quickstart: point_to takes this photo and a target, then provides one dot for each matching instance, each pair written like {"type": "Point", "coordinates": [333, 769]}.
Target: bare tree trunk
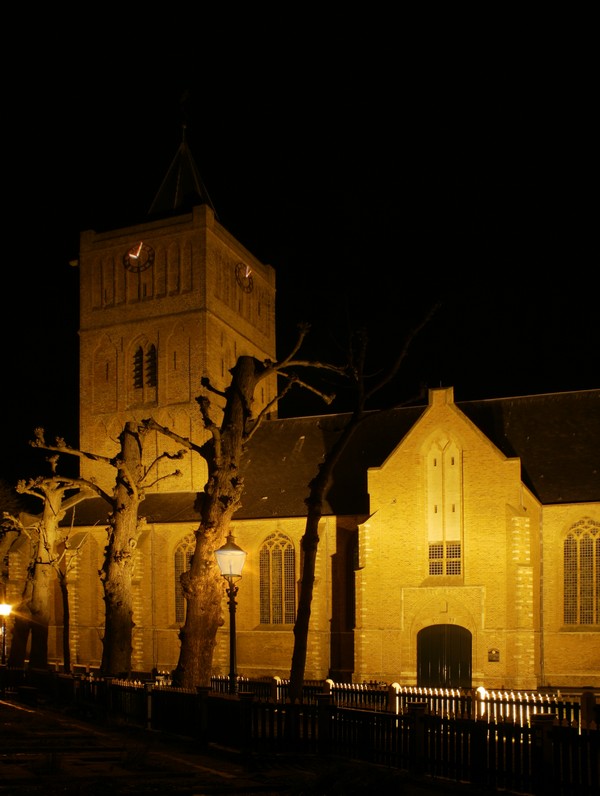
{"type": "Point", "coordinates": [203, 587]}
{"type": "Point", "coordinates": [34, 610]}
{"type": "Point", "coordinates": [64, 591]}
{"type": "Point", "coordinates": [117, 569]}
{"type": "Point", "coordinates": [310, 543]}
{"type": "Point", "coordinates": [40, 614]}
{"type": "Point", "coordinates": [318, 491]}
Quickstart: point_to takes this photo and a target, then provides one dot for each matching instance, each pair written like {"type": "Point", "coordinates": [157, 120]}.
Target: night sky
{"type": "Point", "coordinates": [374, 187]}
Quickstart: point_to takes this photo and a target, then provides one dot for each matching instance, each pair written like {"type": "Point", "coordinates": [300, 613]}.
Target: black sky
{"type": "Point", "coordinates": [373, 185]}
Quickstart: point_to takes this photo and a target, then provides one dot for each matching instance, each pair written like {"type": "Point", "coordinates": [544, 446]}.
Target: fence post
{"type": "Point", "coordinates": [542, 758]}
{"type": "Point", "coordinates": [246, 699]}
{"type": "Point", "coordinates": [325, 708]}
{"type": "Point", "coordinates": [418, 752]}
{"type": "Point", "coordinates": [148, 689]}
{"type": "Point", "coordinates": [478, 759]}
{"type": "Point", "coordinates": [275, 681]}
{"type": "Point", "coordinates": [588, 707]}
{"type": "Point", "coordinates": [109, 698]}
{"type": "Point", "coordinates": [202, 692]}
{"type": "Point", "coordinates": [392, 700]}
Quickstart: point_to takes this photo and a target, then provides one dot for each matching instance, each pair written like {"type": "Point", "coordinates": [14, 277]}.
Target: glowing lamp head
{"type": "Point", "coordinates": [230, 559]}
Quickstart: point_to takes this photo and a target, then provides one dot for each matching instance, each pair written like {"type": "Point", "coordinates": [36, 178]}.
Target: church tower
{"type": "Point", "coordinates": [163, 304]}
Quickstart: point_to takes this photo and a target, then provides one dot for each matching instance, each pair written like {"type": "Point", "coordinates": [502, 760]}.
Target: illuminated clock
{"type": "Point", "coordinates": [243, 274]}
{"type": "Point", "coordinates": [138, 257]}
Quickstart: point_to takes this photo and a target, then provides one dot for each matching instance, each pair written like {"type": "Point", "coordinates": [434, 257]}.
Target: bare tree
{"type": "Point", "coordinates": [319, 487]}
{"type": "Point", "coordinates": [124, 527]}
{"type": "Point", "coordinates": [202, 584]}
{"type": "Point", "coordinates": [32, 615]}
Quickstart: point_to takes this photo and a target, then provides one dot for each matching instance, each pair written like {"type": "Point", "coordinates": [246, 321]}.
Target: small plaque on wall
{"type": "Point", "coordinates": [494, 655]}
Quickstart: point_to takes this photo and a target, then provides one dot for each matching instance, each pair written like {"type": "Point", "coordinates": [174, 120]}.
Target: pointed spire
{"type": "Point", "coordinates": [182, 187]}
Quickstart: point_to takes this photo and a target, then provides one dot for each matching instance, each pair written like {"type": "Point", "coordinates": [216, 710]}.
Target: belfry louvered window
{"type": "Point", "coordinates": [277, 581]}
{"type": "Point", "coordinates": [145, 372]}
{"type": "Point", "coordinates": [581, 559]}
{"type": "Point", "coordinates": [151, 375]}
{"type": "Point", "coordinates": [138, 368]}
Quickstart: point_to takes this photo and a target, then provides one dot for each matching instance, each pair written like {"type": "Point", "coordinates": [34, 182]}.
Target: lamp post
{"type": "Point", "coordinates": [230, 559]}
{"type": "Point", "coordinates": [5, 610]}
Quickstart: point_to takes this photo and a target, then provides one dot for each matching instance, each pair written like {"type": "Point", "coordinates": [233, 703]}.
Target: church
{"type": "Point", "coordinates": [460, 541]}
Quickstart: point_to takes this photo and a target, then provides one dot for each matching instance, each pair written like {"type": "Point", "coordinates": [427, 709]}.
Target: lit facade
{"type": "Point", "coordinates": [448, 555]}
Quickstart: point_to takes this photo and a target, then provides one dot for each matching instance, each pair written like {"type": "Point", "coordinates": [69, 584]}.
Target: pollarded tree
{"type": "Point", "coordinates": [47, 540]}
{"type": "Point", "coordinates": [202, 584]}
{"type": "Point", "coordinates": [124, 528]}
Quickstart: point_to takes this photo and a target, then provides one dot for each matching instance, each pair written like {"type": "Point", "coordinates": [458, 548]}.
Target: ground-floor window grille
{"type": "Point", "coordinates": [445, 558]}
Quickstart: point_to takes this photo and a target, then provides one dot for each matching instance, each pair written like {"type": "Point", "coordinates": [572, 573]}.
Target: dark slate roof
{"type": "Point", "coordinates": [283, 457]}
{"type": "Point", "coordinates": [556, 436]}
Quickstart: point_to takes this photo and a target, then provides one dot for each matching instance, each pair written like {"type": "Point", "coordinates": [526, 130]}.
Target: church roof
{"type": "Point", "coordinates": [182, 187]}
{"type": "Point", "coordinates": [555, 436]}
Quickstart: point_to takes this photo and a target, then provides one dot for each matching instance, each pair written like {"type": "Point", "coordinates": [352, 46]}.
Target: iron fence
{"type": "Point", "coordinates": [513, 743]}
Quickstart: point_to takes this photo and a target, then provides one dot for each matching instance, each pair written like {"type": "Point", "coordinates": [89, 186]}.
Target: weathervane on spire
{"type": "Point", "coordinates": [182, 187]}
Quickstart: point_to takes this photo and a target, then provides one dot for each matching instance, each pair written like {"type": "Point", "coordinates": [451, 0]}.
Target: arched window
{"type": "Point", "coordinates": [277, 581]}
{"type": "Point", "coordinates": [444, 507]}
{"type": "Point", "coordinates": [581, 558]}
{"type": "Point", "coordinates": [183, 559]}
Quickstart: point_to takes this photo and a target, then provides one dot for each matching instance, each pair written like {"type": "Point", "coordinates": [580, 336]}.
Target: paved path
{"type": "Point", "coordinates": [48, 753]}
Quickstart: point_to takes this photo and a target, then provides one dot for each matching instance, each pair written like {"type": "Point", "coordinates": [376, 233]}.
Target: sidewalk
{"type": "Point", "coordinates": [46, 752]}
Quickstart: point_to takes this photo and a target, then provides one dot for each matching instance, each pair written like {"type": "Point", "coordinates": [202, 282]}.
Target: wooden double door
{"type": "Point", "coordinates": [444, 657]}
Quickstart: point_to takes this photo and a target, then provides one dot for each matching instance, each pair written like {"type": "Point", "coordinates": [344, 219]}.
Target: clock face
{"type": "Point", "coordinates": [139, 257]}
{"type": "Point", "coordinates": [243, 274]}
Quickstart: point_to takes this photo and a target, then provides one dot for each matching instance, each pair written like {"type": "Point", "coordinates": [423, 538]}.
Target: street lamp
{"type": "Point", "coordinates": [5, 610]}
{"type": "Point", "coordinates": [230, 559]}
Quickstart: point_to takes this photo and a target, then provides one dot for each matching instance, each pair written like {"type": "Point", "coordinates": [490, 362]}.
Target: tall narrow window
{"type": "Point", "coordinates": [145, 374]}
{"type": "Point", "coordinates": [277, 581]}
{"type": "Point", "coordinates": [581, 585]}
{"type": "Point", "coordinates": [138, 369]}
{"type": "Point", "coordinates": [151, 372]}
{"type": "Point", "coordinates": [444, 508]}
{"type": "Point", "coordinates": [183, 558]}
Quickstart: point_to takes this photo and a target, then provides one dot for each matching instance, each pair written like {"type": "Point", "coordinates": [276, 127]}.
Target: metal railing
{"type": "Point", "coordinates": [508, 742]}
{"type": "Point", "coordinates": [491, 706]}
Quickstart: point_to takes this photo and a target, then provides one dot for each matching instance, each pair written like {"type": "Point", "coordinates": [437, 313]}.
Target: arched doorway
{"type": "Point", "coordinates": [444, 657]}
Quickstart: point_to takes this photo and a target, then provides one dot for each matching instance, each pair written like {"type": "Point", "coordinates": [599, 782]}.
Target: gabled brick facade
{"type": "Point", "coordinates": [460, 543]}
